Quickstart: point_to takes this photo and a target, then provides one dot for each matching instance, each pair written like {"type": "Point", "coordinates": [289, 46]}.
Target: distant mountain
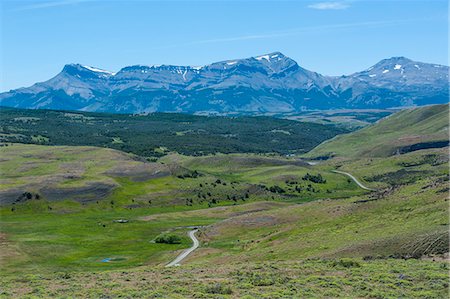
{"type": "Point", "coordinates": [262, 84]}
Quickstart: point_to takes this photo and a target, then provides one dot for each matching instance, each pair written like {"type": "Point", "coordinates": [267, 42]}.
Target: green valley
{"type": "Point", "coordinates": [82, 221]}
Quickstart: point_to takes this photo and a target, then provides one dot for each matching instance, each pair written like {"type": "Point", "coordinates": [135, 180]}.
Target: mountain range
{"type": "Point", "coordinates": [270, 83]}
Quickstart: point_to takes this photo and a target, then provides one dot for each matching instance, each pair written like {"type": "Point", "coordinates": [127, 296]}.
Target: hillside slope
{"type": "Point", "coordinates": [262, 242]}
{"type": "Point", "coordinates": [403, 218]}
{"type": "Point", "coordinates": [405, 131]}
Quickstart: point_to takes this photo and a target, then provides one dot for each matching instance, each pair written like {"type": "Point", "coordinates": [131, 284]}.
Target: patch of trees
{"type": "Point", "coordinates": [168, 239]}
{"type": "Point", "coordinates": [290, 182]}
{"type": "Point", "coordinates": [145, 135]}
{"type": "Point", "coordinates": [27, 196]}
{"type": "Point", "coordinates": [213, 194]}
{"type": "Point", "coordinates": [318, 179]}
{"type": "Point", "coordinates": [276, 189]}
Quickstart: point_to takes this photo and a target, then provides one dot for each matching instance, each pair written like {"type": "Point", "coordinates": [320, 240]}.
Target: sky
{"type": "Point", "coordinates": [330, 37]}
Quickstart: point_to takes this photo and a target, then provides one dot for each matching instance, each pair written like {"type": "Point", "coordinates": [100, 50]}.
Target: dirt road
{"type": "Point", "coordinates": [185, 253]}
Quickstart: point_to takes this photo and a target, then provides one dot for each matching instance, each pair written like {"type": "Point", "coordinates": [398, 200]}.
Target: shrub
{"type": "Point", "coordinates": [314, 178]}
{"type": "Point", "coordinates": [346, 263]}
{"type": "Point", "coordinates": [219, 288]}
{"type": "Point", "coordinates": [65, 276]}
{"type": "Point", "coordinates": [193, 174]}
{"type": "Point", "coordinates": [276, 189]}
{"type": "Point", "coordinates": [168, 239]}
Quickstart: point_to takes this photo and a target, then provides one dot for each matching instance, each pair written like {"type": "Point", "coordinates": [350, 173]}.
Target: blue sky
{"type": "Point", "coordinates": [330, 37]}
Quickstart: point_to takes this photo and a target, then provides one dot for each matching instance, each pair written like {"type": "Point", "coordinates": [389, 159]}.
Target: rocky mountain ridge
{"type": "Point", "coordinates": [270, 83]}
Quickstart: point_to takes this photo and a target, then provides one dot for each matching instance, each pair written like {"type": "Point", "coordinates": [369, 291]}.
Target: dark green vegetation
{"type": "Point", "coordinates": [155, 134]}
{"type": "Point", "coordinates": [408, 130]}
{"type": "Point", "coordinates": [348, 119]}
{"type": "Point", "coordinates": [92, 222]}
{"type": "Point", "coordinates": [168, 239]}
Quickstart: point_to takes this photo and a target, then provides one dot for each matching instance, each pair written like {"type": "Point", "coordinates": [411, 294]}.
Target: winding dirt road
{"type": "Point", "coordinates": [354, 179]}
{"type": "Point", "coordinates": [196, 243]}
{"type": "Point", "coordinates": [185, 253]}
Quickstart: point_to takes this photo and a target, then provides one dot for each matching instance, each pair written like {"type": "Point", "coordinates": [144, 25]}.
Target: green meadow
{"type": "Point", "coordinates": [81, 221]}
{"type": "Point", "coordinates": [386, 137]}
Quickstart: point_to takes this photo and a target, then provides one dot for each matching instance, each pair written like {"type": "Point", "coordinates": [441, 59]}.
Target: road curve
{"type": "Point", "coordinates": [184, 254]}
{"type": "Point", "coordinates": [355, 180]}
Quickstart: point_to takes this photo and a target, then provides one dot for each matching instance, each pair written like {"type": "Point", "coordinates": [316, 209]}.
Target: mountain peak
{"type": "Point", "coordinates": [393, 61]}
{"type": "Point", "coordinates": [398, 58]}
{"type": "Point", "coordinates": [268, 82]}
{"type": "Point", "coordinates": [76, 69]}
{"type": "Point", "coordinates": [276, 62]}
{"type": "Point", "coordinates": [271, 57]}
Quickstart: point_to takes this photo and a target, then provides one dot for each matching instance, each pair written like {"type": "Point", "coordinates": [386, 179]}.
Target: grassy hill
{"type": "Point", "coordinates": [156, 134]}
{"type": "Point", "coordinates": [91, 174]}
{"type": "Point", "coordinates": [409, 209]}
{"type": "Point", "coordinates": [273, 226]}
{"type": "Point", "coordinates": [349, 243]}
{"type": "Point", "coordinates": [404, 131]}
{"type": "Point", "coordinates": [72, 194]}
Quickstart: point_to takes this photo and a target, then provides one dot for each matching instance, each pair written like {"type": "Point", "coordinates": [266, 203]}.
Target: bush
{"type": "Point", "coordinates": [276, 189]}
{"type": "Point", "coordinates": [314, 178]}
{"type": "Point", "coordinates": [346, 263]}
{"type": "Point", "coordinates": [219, 288]}
{"type": "Point", "coordinates": [193, 174]}
{"type": "Point", "coordinates": [168, 239]}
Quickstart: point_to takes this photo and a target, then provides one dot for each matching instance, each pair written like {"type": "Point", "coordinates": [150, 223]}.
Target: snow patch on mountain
{"type": "Point", "coordinates": [266, 57]}
{"type": "Point", "coordinates": [97, 70]}
{"type": "Point", "coordinates": [270, 82]}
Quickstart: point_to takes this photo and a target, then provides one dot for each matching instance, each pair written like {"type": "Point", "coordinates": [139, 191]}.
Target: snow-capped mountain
{"type": "Point", "coordinates": [266, 83]}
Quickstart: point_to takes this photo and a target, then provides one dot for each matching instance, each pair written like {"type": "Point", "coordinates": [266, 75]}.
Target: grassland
{"type": "Point", "coordinates": [390, 135]}
{"type": "Point", "coordinates": [65, 245]}
{"type": "Point", "coordinates": [77, 230]}
{"type": "Point", "coordinates": [270, 226]}
{"type": "Point", "coordinates": [385, 223]}
{"type": "Point", "coordinates": [341, 278]}
{"type": "Point", "coordinates": [174, 179]}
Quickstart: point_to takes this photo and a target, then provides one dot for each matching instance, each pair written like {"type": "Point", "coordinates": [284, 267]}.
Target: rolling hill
{"type": "Point", "coordinates": [405, 131]}
{"type": "Point", "coordinates": [81, 221]}
{"type": "Point", "coordinates": [269, 243]}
